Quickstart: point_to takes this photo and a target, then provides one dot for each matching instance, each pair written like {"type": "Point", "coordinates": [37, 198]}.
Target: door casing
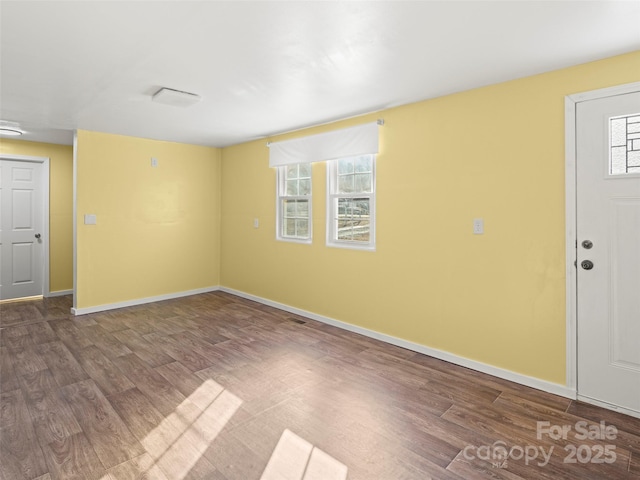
{"type": "Point", "coordinates": [45, 210]}
{"type": "Point", "coordinates": [571, 226]}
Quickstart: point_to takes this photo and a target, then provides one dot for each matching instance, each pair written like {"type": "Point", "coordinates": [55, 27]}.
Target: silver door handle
{"type": "Point", "coordinates": [587, 264]}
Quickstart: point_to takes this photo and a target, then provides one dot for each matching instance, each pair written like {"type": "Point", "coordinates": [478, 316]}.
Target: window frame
{"type": "Point", "coordinates": [332, 206]}
{"type": "Point", "coordinates": [282, 197]}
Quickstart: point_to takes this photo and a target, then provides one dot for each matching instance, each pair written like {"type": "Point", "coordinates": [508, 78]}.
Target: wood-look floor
{"type": "Point", "coordinates": [217, 387]}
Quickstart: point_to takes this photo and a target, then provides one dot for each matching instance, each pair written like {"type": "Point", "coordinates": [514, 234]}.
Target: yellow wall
{"type": "Point", "coordinates": [60, 206]}
{"type": "Point", "coordinates": [496, 153]}
{"type": "Point", "coordinates": [157, 229]}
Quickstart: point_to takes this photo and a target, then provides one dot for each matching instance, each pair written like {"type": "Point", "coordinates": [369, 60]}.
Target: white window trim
{"type": "Point", "coordinates": [332, 241]}
{"type": "Point", "coordinates": [280, 178]}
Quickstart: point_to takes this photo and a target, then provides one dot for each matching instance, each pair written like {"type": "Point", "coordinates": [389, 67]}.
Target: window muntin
{"type": "Point", "coordinates": [624, 145]}
{"type": "Point", "coordinates": [294, 203]}
{"type": "Point", "coordinates": [351, 202]}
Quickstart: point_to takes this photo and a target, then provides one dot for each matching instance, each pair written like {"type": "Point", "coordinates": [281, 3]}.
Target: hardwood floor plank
{"type": "Point", "coordinates": [62, 364]}
{"type": "Point", "coordinates": [109, 436]}
{"type": "Point", "coordinates": [159, 391]}
{"type": "Point", "coordinates": [13, 336]}
{"type": "Point", "coordinates": [147, 351]}
{"type": "Point", "coordinates": [20, 452]}
{"type": "Point", "coordinates": [203, 329]}
{"type": "Point", "coordinates": [70, 334]}
{"type": "Point", "coordinates": [26, 360]}
{"type": "Point", "coordinates": [190, 342]}
{"type": "Point", "coordinates": [257, 390]}
{"type": "Point", "coordinates": [348, 403]}
{"type": "Point", "coordinates": [634, 464]}
{"type": "Point", "coordinates": [111, 321]}
{"type": "Point", "coordinates": [46, 476]}
{"type": "Point", "coordinates": [182, 354]}
{"type": "Point", "coordinates": [55, 307]}
{"type": "Point", "coordinates": [477, 468]}
{"type": "Point", "coordinates": [141, 323]}
{"type": "Point", "coordinates": [108, 377]}
{"type": "Point", "coordinates": [19, 313]}
{"type": "Point", "coordinates": [182, 379]}
{"type": "Point", "coordinates": [106, 342]}
{"type": "Point", "coordinates": [165, 326]}
{"type": "Point", "coordinates": [457, 373]}
{"type": "Point", "coordinates": [233, 459]}
{"type": "Point", "coordinates": [51, 416]}
{"type": "Point", "coordinates": [10, 407]}
{"type": "Point", "coordinates": [41, 332]}
{"type": "Point", "coordinates": [139, 414]}
{"type": "Point", "coordinates": [8, 378]}
{"type": "Point", "coordinates": [140, 468]}
{"type": "Point", "coordinates": [73, 458]}
{"type": "Point", "coordinates": [233, 354]}
{"type": "Point", "coordinates": [393, 367]}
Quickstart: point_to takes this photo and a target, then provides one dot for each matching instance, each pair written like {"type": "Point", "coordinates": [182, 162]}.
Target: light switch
{"type": "Point", "coordinates": [256, 223]}
{"type": "Point", "coordinates": [478, 226]}
{"type": "Point", "coordinates": [154, 162]}
{"type": "Point", "coordinates": [90, 219]}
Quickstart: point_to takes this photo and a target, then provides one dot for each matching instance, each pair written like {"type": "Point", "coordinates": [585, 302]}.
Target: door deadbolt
{"type": "Point", "coordinates": [587, 244]}
{"type": "Point", "coordinates": [38, 236]}
{"type": "Point", "coordinates": [587, 264]}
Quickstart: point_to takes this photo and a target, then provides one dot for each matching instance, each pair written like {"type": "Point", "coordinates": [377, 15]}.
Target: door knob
{"type": "Point", "coordinates": [587, 244]}
{"type": "Point", "coordinates": [587, 264]}
{"type": "Point", "coordinates": [38, 236]}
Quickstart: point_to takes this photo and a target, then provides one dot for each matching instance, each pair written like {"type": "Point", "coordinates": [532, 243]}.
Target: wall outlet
{"type": "Point", "coordinates": [478, 226]}
{"type": "Point", "coordinates": [90, 219]}
{"type": "Point", "coordinates": [154, 162]}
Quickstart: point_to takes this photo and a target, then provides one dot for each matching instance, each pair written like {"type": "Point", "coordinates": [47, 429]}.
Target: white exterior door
{"type": "Point", "coordinates": [608, 258]}
{"type": "Point", "coordinates": [21, 229]}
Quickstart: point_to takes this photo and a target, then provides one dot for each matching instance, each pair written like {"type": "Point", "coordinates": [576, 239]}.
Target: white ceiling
{"type": "Point", "coordinates": [264, 67]}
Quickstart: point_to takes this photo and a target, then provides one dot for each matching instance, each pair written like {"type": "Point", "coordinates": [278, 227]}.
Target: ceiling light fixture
{"type": "Point", "coordinates": [175, 98]}
{"type": "Point", "coordinates": [10, 132]}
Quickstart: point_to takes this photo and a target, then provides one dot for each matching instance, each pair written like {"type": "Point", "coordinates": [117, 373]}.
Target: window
{"type": "Point", "coordinates": [294, 203]}
{"type": "Point", "coordinates": [351, 202]}
{"type": "Point", "coordinates": [624, 139]}
{"type": "Point", "coordinates": [350, 185]}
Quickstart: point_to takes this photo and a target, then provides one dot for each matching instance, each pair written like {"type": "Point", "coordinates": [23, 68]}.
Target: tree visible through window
{"type": "Point", "coordinates": [294, 202]}
{"type": "Point", "coordinates": [351, 202]}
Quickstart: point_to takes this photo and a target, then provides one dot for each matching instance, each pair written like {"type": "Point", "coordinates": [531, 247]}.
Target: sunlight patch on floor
{"type": "Point", "coordinates": [181, 439]}
{"type": "Point", "coordinates": [296, 459]}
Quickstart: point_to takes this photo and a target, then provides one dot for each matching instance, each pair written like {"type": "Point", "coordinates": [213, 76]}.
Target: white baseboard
{"type": "Point", "coordinates": [59, 293]}
{"type": "Point", "coordinates": [141, 301]}
{"type": "Point", "coordinates": [532, 382]}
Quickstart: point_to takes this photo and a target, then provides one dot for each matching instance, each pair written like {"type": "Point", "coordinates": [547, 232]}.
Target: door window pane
{"type": "Point", "coordinates": [624, 145]}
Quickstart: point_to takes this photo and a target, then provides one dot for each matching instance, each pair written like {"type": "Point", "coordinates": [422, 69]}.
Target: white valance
{"type": "Point", "coordinates": [347, 142]}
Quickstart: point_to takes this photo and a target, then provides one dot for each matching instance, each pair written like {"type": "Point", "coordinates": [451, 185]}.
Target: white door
{"type": "Point", "coordinates": [21, 228]}
{"type": "Point", "coordinates": [608, 265]}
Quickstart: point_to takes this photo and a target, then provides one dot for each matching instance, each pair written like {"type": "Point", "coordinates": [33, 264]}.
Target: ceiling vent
{"type": "Point", "coordinates": [176, 98]}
